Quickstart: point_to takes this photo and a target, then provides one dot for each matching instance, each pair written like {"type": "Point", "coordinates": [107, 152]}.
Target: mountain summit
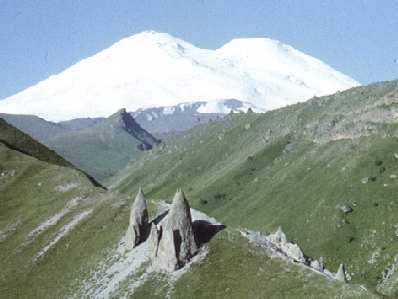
{"type": "Point", "coordinates": [156, 69]}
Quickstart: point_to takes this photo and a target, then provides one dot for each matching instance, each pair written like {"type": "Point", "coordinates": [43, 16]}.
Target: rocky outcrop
{"type": "Point", "coordinates": [341, 274]}
{"type": "Point", "coordinates": [318, 265]}
{"type": "Point", "coordinates": [173, 245]}
{"type": "Point", "coordinates": [278, 237]}
{"type": "Point", "coordinates": [128, 123]}
{"type": "Point", "coordinates": [292, 250]}
{"type": "Point", "coordinates": [278, 245]}
{"type": "Point", "coordinates": [139, 226]}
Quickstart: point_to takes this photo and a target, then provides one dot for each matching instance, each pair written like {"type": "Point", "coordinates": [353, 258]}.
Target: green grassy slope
{"type": "Point", "coordinates": [237, 269]}
{"type": "Point", "coordinates": [292, 167]}
{"type": "Point", "coordinates": [35, 184]}
{"type": "Point", "coordinates": [34, 192]}
{"type": "Point", "coordinates": [103, 149]}
{"type": "Point", "coordinates": [295, 167]}
{"type": "Point", "coordinates": [38, 189]}
{"type": "Point", "coordinates": [30, 195]}
{"type": "Point", "coordinates": [39, 128]}
{"type": "Point", "coordinates": [100, 146]}
{"type": "Point", "coordinates": [22, 142]}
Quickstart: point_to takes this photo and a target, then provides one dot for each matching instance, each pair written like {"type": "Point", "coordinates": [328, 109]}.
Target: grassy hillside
{"type": "Point", "coordinates": [296, 167]}
{"type": "Point", "coordinates": [22, 142]}
{"type": "Point", "coordinates": [99, 146]}
{"type": "Point", "coordinates": [43, 130]}
{"type": "Point", "coordinates": [39, 194]}
{"type": "Point", "coordinates": [59, 233]}
{"type": "Point", "coordinates": [236, 269]}
{"type": "Point", "coordinates": [103, 149]}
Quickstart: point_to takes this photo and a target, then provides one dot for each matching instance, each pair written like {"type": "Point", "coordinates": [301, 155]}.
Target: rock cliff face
{"type": "Point", "coordinates": [139, 226]}
{"type": "Point", "coordinates": [173, 245]}
{"type": "Point", "coordinates": [128, 123]}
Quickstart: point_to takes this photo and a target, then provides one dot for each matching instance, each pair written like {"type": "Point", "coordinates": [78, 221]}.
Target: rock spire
{"type": "Point", "coordinates": [174, 244]}
{"type": "Point", "coordinates": [139, 226]}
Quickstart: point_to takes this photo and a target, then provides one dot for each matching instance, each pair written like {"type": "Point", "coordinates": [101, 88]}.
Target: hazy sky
{"type": "Point", "coordinates": [42, 37]}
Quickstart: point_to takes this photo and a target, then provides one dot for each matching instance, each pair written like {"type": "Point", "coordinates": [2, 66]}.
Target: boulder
{"type": "Point", "coordinates": [139, 225]}
{"type": "Point", "coordinates": [345, 208]}
{"type": "Point", "coordinates": [177, 244]}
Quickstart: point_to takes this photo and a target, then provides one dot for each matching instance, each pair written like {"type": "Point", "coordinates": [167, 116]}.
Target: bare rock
{"type": "Point", "coordinates": [278, 237]}
{"type": "Point", "coordinates": [177, 243]}
{"type": "Point", "coordinates": [341, 274]}
{"type": "Point", "coordinates": [291, 250]}
{"type": "Point", "coordinates": [154, 239]}
{"type": "Point", "coordinates": [318, 265]}
{"type": "Point", "coordinates": [294, 252]}
{"type": "Point", "coordinates": [139, 226]}
{"type": "Point", "coordinates": [345, 208]}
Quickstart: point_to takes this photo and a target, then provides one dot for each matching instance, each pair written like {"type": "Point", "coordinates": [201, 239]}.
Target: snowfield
{"type": "Point", "coordinates": [152, 69]}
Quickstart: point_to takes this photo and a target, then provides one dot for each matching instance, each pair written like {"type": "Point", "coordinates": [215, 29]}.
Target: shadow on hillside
{"type": "Point", "coordinates": [204, 231]}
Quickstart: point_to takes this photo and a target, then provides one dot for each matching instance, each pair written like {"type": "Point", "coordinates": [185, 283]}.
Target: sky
{"type": "Point", "coordinates": [39, 38]}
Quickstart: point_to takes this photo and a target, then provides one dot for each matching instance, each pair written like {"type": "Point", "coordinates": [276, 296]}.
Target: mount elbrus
{"type": "Point", "coordinates": [152, 69]}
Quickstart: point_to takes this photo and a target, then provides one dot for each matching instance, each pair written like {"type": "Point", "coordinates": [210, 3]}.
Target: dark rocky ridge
{"type": "Point", "coordinates": [128, 123]}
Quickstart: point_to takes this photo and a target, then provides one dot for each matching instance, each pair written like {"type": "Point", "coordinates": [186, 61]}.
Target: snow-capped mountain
{"type": "Point", "coordinates": [200, 107]}
{"type": "Point", "coordinates": [153, 69]}
{"type": "Point", "coordinates": [181, 117]}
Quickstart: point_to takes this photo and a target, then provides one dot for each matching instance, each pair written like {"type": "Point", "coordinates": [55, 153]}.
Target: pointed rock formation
{"type": "Point", "coordinates": [176, 245]}
{"type": "Point", "coordinates": [341, 274]}
{"type": "Point", "coordinates": [139, 226]}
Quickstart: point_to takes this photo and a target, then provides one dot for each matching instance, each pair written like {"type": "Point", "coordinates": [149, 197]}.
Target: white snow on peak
{"type": "Point", "coordinates": [153, 69]}
{"type": "Point", "coordinates": [214, 106]}
{"type": "Point", "coordinates": [222, 106]}
{"type": "Point", "coordinates": [169, 110]}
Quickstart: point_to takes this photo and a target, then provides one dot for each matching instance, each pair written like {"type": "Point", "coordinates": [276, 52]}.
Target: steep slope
{"type": "Point", "coordinates": [43, 130]}
{"type": "Point", "coordinates": [38, 128]}
{"type": "Point", "coordinates": [59, 235]}
{"type": "Point", "coordinates": [106, 147]}
{"type": "Point", "coordinates": [151, 69]}
{"type": "Point", "coordinates": [42, 199]}
{"type": "Point", "coordinates": [325, 170]}
{"type": "Point", "coordinates": [19, 141]}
